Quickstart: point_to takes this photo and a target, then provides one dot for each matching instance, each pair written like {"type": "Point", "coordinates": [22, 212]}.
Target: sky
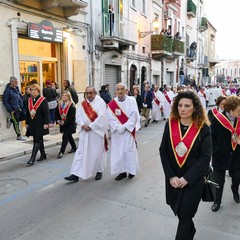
{"type": "Point", "coordinates": [225, 17]}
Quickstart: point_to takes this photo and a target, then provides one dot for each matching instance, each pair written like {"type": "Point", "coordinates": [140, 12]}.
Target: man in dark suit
{"type": "Point", "coordinates": [147, 103]}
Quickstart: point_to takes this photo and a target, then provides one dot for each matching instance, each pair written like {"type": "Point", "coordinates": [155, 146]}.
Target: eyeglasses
{"type": "Point", "coordinates": [90, 93]}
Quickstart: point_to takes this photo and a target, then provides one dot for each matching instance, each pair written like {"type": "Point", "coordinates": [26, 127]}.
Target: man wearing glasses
{"type": "Point", "coordinates": [91, 117]}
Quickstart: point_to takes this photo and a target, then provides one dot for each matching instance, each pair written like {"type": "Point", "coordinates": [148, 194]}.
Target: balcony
{"type": "Point", "coordinates": [191, 9]}
{"type": "Point", "coordinates": [178, 48]}
{"type": "Point", "coordinates": [203, 25]}
{"type": "Point", "coordinates": [118, 31]}
{"type": "Point", "coordinates": [161, 46]}
{"type": "Point", "coordinates": [65, 8]}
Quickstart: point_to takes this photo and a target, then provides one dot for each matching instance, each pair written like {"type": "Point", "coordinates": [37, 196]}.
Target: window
{"type": "Point", "coordinates": [144, 6]}
{"type": "Point", "coordinates": [143, 49]}
{"type": "Point", "coordinates": [133, 48]}
{"type": "Point", "coordinates": [133, 3]}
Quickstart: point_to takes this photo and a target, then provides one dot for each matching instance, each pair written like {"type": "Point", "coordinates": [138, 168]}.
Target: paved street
{"type": "Point", "coordinates": [37, 203]}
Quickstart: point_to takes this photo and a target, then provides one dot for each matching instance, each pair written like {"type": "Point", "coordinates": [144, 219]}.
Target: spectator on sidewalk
{"type": "Point", "coordinates": [68, 87]}
{"type": "Point", "coordinates": [37, 122]}
{"type": "Point", "coordinates": [65, 117]}
{"type": "Point", "coordinates": [13, 102]}
{"type": "Point", "coordinates": [51, 96]}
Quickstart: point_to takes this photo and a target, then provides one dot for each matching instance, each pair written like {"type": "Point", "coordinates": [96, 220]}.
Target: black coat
{"type": "Point", "coordinates": [184, 202]}
{"type": "Point", "coordinates": [139, 103]}
{"type": "Point", "coordinates": [50, 94]}
{"type": "Point", "coordinates": [35, 125]}
{"type": "Point", "coordinates": [69, 125]}
{"type": "Point", "coordinates": [223, 156]}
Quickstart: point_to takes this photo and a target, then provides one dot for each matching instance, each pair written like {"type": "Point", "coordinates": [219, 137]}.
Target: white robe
{"type": "Point", "coordinates": [90, 154]}
{"type": "Point", "coordinates": [167, 106]}
{"type": "Point", "coordinates": [156, 112]}
{"type": "Point", "coordinates": [202, 99]}
{"type": "Point", "coordinates": [124, 156]}
{"type": "Point", "coordinates": [211, 97]}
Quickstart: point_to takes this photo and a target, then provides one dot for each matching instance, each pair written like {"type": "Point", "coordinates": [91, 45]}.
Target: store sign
{"type": "Point", "coordinates": [45, 31]}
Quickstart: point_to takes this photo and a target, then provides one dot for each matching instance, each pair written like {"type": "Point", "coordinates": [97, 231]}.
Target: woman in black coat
{"type": "Point", "coordinates": [65, 117]}
{"type": "Point", "coordinates": [37, 122]}
{"type": "Point", "coordinates": [138, 99]}
{"type": "Point", "coordinates": [225, 128]}
{"type": "Point", "coordinates": [185, 154]}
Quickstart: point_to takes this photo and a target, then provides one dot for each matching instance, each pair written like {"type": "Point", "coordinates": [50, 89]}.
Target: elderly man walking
{"type": "Point", "coordinates": [123, 117]}
{"type": "Point", "coordinates": [92, 119]}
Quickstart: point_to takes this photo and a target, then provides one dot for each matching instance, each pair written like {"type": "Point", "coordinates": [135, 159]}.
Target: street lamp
{"type": "Point", "coordinates": [155, 26]}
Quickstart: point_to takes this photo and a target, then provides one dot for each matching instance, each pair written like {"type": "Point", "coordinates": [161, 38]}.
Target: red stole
{"type": "Point", "coordinates": [120, 115]}
{"type": "Point", "coordinates": [33, 108]}
{"type": "Point", "coordinates": [167, 97]}
{"type": "Point", "coordinates": [92, 115]}
{"type": "Point", "coordinates": [182, 145]}
{"type": "Point", "coordinates": [227, 124]}
{"type": "Point", "coordinates": [214, 111]}
{"type": "Point", "coordinates": [155, 99]}
{"type": "Point", "coordinates": [64, 111]}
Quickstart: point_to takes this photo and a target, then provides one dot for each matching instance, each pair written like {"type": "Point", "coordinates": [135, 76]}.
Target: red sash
{"type": "Point", "coordinates": [120, 115]}
{"type": "Point", "coordinates": [214, 111]}
{"type": "Point", "coordinates": [227, 124]}
{"type": "Point", "coordinates": [92, 115]}
{"type": "Point", "coordinates": [182, 145]}
{"type": "Point", "coordinates": [167, 97]}
{"type": "Point", "coordinates": [155, 99]}
{"type": "Point", "coordinates": [33, 108]}
{"type": "Point", "coordinates": [64, 111]}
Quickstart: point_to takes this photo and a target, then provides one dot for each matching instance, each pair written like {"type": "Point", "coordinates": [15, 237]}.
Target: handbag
{"type": "Point", "coordinates": [52, 104]}
{"type": "Point", "coordinates": [209, 187]}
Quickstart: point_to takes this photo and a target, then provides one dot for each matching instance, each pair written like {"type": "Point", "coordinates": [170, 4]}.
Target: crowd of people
{"type": "Point", "coordinates": [193, 138]}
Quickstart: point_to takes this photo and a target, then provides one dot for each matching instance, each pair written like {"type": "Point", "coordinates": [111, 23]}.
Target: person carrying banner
{"type": "Point", "coordinates": [124, 121]}
{"type": "Point", "coordinates": [89, 157]}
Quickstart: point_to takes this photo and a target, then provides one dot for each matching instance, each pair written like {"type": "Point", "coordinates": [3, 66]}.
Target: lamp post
{"type": "Point", "coordinates": [155, 26]}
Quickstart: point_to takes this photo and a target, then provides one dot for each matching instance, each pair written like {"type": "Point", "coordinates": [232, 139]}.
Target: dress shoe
{"type": "Point", "coordinates": [130, 176]}
{"type": "Point", "coordinates": [121, 176]}
{"type": "Point", "coordinates": [145, 125]}
{"type": "Point", "coordinates": [236, 198]}
{"type": "Point", "coordinates": [72, 178]}
{"type": "Point", "coordinates": [72, 150]}
{"type": "Point", "coordinates": [98, 176]}
{"type": "Point", "coordinates": [60, 155]}
{"type": "Point", "coordinates": [215, 207]}
{"type": "Point", "coordinates": [43, 156]}
{"type": "Point", "coordinates": [30, 162]}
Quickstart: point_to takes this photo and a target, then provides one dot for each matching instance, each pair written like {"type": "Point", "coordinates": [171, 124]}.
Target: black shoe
{"type": "Point", "coordinates": [43, 156]}
{"type": "Point", "coordinates": [236, 198]}
{"type": "Point", "coordinates": [153, 121]}
{"type": "Point", "coordinates": [130, 176]}
{"type": "Point", "coordinates": [72, 150]}
{"type": "Point", "coordinates": [60, 155]}
{"type": "Point", "coordinates": [215, 207]}
{"type": "Point", "coordinates": [30, 162]}
{"type": "Point", "coordinates": [145, 125]}
{"type": "Point", "coordinates": [72, 178]}
{"type": "Point", "coordinates": [98, 176]}
{"type": "Point", "coordinates": [121, 176]}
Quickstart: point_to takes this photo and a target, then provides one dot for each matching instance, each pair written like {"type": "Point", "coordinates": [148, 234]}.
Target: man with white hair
{"type": "Point", "coordinates": [123, 117]}
{"type": "Point", "coordinates": [168, 95]}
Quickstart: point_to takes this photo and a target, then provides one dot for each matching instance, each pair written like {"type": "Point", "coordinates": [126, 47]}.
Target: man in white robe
{"type": "Point", "coordinates": [92, 119]}
{"type": "Point", "coordinates": [157, 104]}
{"type": "Point", "coordinates": [211, 97]}
{"type": "Point", "coordinates": [202, 96]}
{"type": "Point", "coordinates": [168, 95]}
{"type": "Point", "coordinates": [123, 118]}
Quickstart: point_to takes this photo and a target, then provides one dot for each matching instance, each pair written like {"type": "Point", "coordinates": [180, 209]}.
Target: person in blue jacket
{"type": "Point", "coordinates": [13, 102]}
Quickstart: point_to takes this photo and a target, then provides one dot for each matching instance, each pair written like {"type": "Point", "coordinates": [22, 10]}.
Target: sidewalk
{"type": "Point", "coordinates": [14, 148]}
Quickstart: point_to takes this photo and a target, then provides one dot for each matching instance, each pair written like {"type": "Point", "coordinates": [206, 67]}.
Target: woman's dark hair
{"type": "Point", "coordinates": [103, 87]}
{"type": "Point", "coordinates": [220, 99]}
{"type": "Point", "coordinates": [232, 102]}
{"type": "Point", "coordinates": [199, 114]}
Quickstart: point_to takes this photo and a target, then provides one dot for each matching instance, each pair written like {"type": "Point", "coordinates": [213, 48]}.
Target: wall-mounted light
{"type": "Point", "coordinates": [155, 26]}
